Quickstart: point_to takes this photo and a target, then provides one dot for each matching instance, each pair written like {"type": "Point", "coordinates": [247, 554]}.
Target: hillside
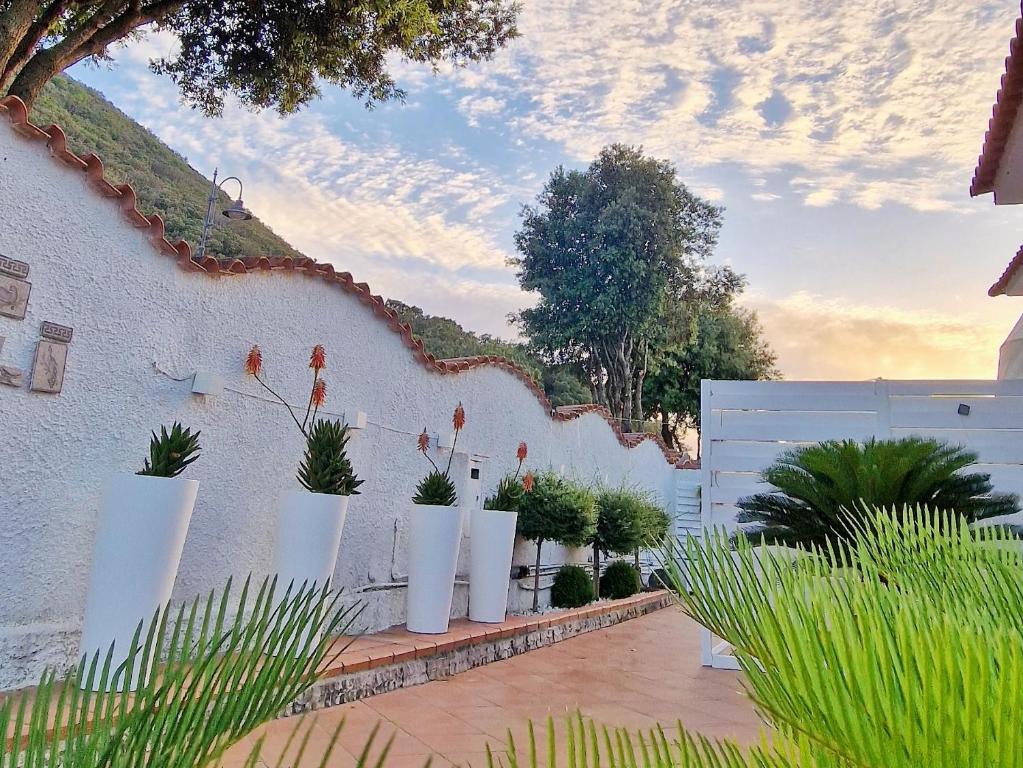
{"type": "Point", "coordinates": [163, 179]}
{"type": "Point", "coordinates": [166, 184]}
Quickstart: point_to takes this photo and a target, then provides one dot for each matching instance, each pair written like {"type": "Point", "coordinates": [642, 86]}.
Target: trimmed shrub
{"type": "Point", "coordinates": [572, 587]}
{"type": "Point", "coordinates": [558, 510]}
{"type": "Point", "coordinates": [621, 579]}
{"type": "Point", "coordinates": [621, 514]}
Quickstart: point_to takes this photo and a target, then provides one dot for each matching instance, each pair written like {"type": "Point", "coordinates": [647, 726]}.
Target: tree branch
{"type": "Point", "coordinates": [31, 39]}
{"type": "Point", "coordinates": [14, 23]}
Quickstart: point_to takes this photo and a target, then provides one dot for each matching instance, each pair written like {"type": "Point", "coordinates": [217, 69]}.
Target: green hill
{"type": "Point", "coordinates": [166, 184]}
{"type": "Point", "coordinates": [163, 179]}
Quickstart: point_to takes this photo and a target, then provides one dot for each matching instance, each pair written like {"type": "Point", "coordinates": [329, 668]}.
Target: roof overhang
{"type": "Point", "coordinates": [1000, 165]}
{"type": "Point", "coordinates": [1011, 281]}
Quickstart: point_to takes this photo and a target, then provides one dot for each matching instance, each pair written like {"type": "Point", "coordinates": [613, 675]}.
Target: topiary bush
{"type": "Point", "coordinates": [620, 580]}
{"type": "Point", "coordinates": [620, 519]}
{"type": "Point", "coordinates": [556, 509]}
{"type": "Point", "coordinates": [572, 587]}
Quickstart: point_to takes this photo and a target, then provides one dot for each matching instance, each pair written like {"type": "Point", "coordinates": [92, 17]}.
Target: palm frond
{"type": "Point", "coordinates": [193, 684]}
{"type": "Point", "coordinates": [908, 653]}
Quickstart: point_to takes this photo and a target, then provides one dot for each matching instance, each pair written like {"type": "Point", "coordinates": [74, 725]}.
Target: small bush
{"type": "Point", "coordinates": [572, 587]}
{"type": "Point", "coordinates": [620, 580]}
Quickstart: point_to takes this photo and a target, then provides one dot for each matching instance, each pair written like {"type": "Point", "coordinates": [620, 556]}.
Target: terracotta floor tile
{"type": "Point", "coordinates": [635, 674]}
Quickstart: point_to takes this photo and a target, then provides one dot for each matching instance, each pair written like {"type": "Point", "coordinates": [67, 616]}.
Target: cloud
{"type": "Point", "coordinates": [826, 338]}
{"type": "Point", "coordinates": [476, 109]}
{"type": "Point", "coordinates": [341, 198]}
{"type": "Point", "coordinates": [871, 102]}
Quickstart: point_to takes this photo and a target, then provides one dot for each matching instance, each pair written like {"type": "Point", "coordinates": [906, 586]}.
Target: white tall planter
{"type": "Point", "coordinates": [139, 537]}
{"type": "Point", "coordinates": [434, 535]}
{"type": "Point", "coordinates": [309, 527]}
{"type": "Point", "coordinates": [492, 541]}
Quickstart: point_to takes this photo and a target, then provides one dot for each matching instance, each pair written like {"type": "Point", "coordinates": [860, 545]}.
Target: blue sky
{"type": "Point", "coordinates": [840, 137]}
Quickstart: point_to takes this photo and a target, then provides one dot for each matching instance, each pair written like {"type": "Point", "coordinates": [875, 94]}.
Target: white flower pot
{"type": "Point", "coordinates": [434, 535]}
{"type": "Point", "coordinates": [492, 543]}
{"type": "Point", "coordinates": [308, 538]}
{"type": "Point", "coordinates": [139, 537]}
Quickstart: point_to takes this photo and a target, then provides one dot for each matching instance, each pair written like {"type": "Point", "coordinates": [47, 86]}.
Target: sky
{"type": "Point", "coordinates": [839, 137]}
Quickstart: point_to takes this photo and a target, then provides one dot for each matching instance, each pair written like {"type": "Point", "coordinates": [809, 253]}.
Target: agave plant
{"type": "Point", "coordinates": [818, 486]}
{"type": "Point", "coordinates": [215, 680]}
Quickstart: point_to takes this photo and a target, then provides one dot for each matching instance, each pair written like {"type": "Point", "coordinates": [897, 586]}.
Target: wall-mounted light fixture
{"type": "Point", "coordinates": [964, 409]}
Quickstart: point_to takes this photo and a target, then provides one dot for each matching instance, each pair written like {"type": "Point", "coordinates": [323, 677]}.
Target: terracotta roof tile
{"type": "Point", "coordinates": [181, 252]}
{"type": "Point", "coordinates": [1003, 116]}
{"type": "Point", "coordinates": [1002, 283]}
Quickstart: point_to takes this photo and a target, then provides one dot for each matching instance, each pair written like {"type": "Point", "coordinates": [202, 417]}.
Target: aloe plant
{"type": "Point", "coordinates": [170, 453]}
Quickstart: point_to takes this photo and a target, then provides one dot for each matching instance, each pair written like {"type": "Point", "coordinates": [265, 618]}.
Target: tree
{"type": "Point", "coordinates": [822, 489]}
{"type": "Point", "coordinates": [555, 510]}
{"type": "Point", "coordinates": [607, 249]}
{"type": "Point", "coordinates": [266, 54]}
{"type": "Point", "coordinates": [711, 338]}
{"type": "Point", "coordinates": [619, 525]}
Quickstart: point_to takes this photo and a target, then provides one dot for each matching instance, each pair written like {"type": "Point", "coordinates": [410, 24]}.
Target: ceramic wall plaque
{"type": "Point", "coordinates": [14, 296]}
{"type": "Point", "coordinates": [48, 366]}
{"type": "Point", "coordinates": [11, 377]}
{"type": "Point", "coordinates": [55, 332]}
{"type": "Point", "coordinates": [13, 267]}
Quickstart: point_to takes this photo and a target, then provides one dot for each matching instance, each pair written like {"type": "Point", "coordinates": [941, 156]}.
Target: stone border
{"type": "Point", "coordinates": [343, 688]}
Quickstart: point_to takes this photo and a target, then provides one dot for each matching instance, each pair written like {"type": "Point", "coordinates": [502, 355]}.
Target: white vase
{"type": "Point", "coordinates": [492, 543]}
{"type": "Point", "coordinates": [434, 535]}
{"type": "Point", "coordinates": [309, 527]}
{"type": "Point", "coordinates": [139, 537]}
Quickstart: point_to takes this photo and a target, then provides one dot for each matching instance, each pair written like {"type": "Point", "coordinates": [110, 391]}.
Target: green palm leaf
{"type": "Point", "coordinates": [213, 681]}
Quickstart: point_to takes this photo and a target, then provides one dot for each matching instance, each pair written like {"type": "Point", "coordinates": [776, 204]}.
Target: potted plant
{"type": "Point", "coordinates": [310, 519]}
{"type": "Point", "coordinates": [493, 541]}
{"type": "Point", "coordinates": [435, 531]}
{"type": "Point", "coordinates": [139, 537]}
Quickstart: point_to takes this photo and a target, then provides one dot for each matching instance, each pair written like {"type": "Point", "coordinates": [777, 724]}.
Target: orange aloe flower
{"type": "Point", "coordinates": [458, 420]}
{"type": "Point", "coordinates": [424, 441]}
{"type": "Point", "coordinates": [319, 396]}
{"type": "Point", "coordinates": [522, 452]}
{"type": "Point", "coordinates": [527, 482]}
{"type": "Point", "coordinates": [318, 359]}
{"type": "Point", "coordinates": [254, 361]}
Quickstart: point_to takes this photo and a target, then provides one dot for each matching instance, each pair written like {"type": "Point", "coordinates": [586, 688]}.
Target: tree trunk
{"type": "Point", "coordinates": [536, 577]}
{"type": "Point", "coordinates": [90, 38]}
{"type": "Point", "coordinates": [639, 375]}
{"type": "Point", "coordinates": [30, 40]}
{"type": "Point", "coordinates": [596, 569]}
{"type": "Point", "coordinates": [14, 24]}
{"type": "Point", "coordinates": [34, 76]}
{"type": "Point", "coordinates": [666, 434]}
{"type": "Point", "coordinates": [699, 443]}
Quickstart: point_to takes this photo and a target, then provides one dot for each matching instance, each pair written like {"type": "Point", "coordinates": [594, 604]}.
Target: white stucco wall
{"type": "Point", "coordinates": [131, 308]}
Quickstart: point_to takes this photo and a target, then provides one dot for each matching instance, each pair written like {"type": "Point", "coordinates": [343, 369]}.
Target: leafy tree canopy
{"type": "Point", "coordinates": [268, 54]}
{"type": "Point", "coordinates": [707, 337]}
{"type": "Point", "coordinates": [607, 249]}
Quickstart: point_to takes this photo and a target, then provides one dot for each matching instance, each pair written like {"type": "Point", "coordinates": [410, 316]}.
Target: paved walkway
{"type": "Point", "coordinates": [634, 675]}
